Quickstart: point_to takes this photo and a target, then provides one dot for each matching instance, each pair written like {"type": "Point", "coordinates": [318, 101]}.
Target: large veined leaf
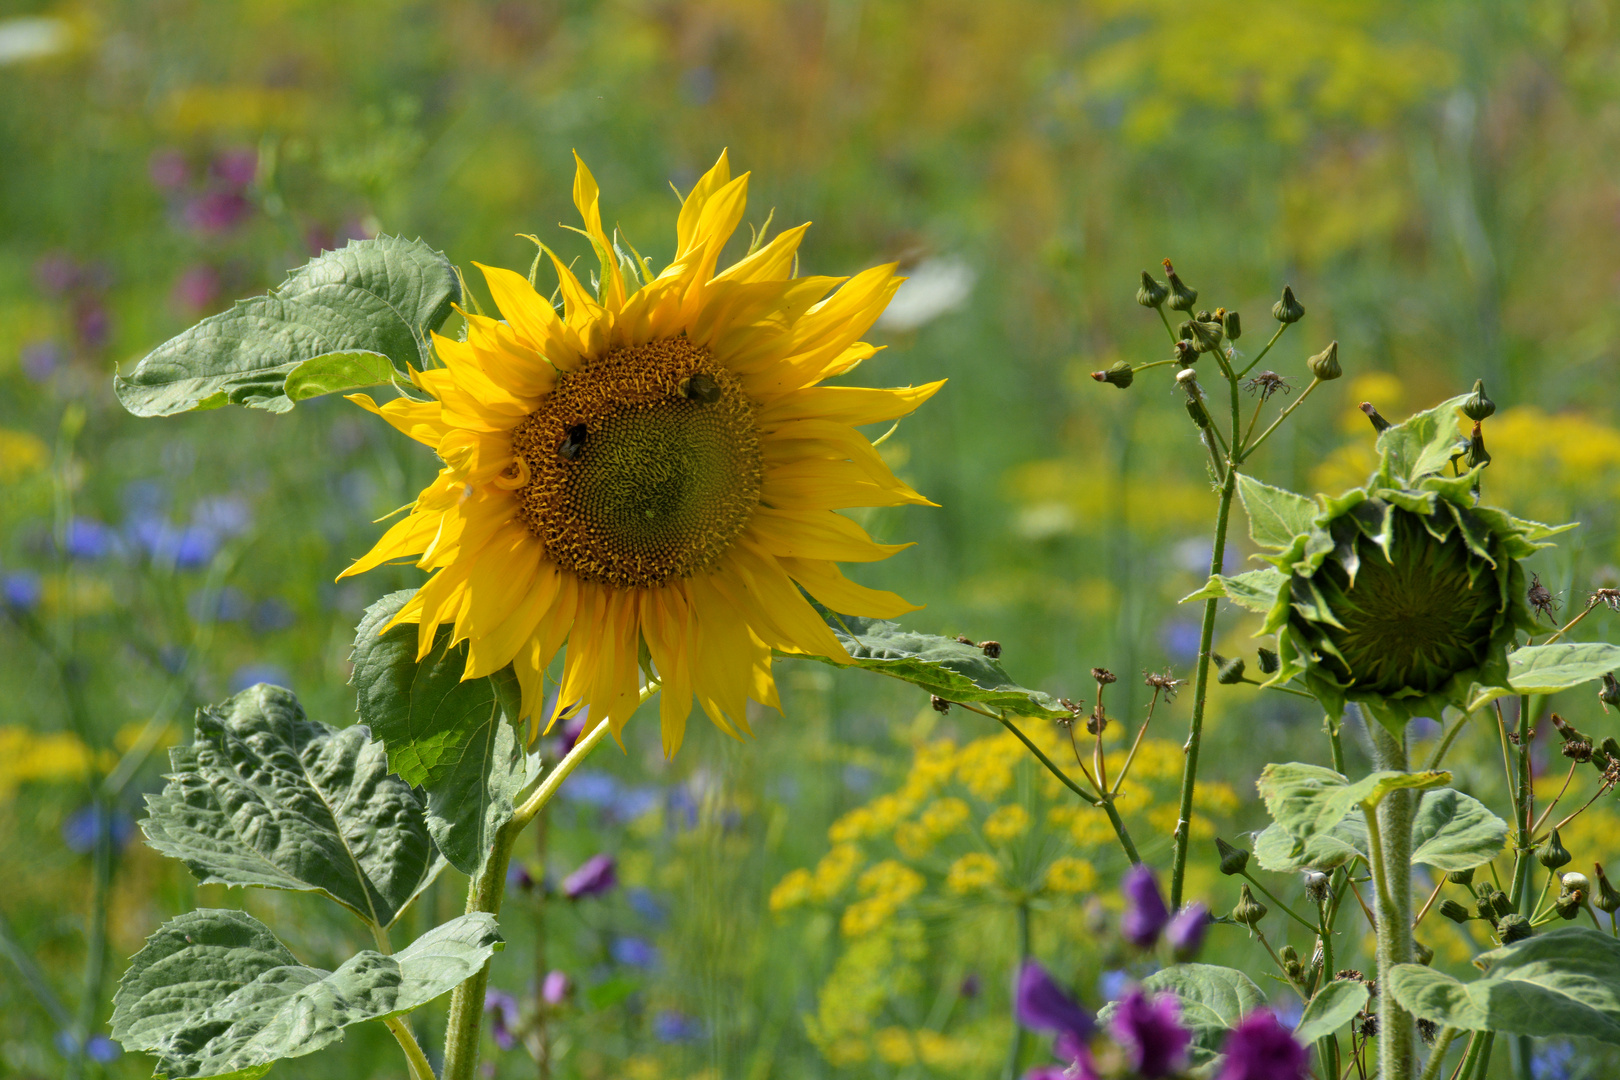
{"type": "Point", "coordinates": [1547, 669]}
{"type": "Point", "coordinates": [1275, 516]}
{"type": "Point", "coordinates": [1256, 589]}
{"type": "Point", "coordinates": [1421, 444]}
{"type": "Point", "coordinates": [214, 993]}
{"type": "Point", "coordinates": [1276, 850]}
{"type": "Point", "coordinates": [1308, 800]}
{"type": "Point", "coordinates": [1563, 982]}
{"type": "Point", "coordinates": [380, 297]}
{"type": "Point", "coordinates": [452, 738]}
{"type": "Point", "coordinates": [266, 796]}
{"type": "Point", "coordinates": [1453, 831]}
{"type": "Point", "coordinates": [939, 665]}
{"type": "Point", "coordinates": [1334, 1006]}
{"type": "Point", "coordinates": [1213, 999]}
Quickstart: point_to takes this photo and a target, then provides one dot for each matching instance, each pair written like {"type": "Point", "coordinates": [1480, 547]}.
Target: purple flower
{"type": "Point", "coordinates": [505, 1009]}
{"type": "Point", "coordinates": [56, 273]}
{"type": "Point", "coordinates": [572, 729]}
{"type": "Point", "coordinates": [92, 322]}
{"type": "Point", "coordinates": [224, 514]}
{"type": "Point", "coordinates": [590, 787]}
{"type": "Point", "coordinates": [645, 904]}
{"type": "Point", "coordinates": [1149, 1027]}
{"type": "Point", "coordinates": [237, 167]}
{"type": "Point", "coordinates": [1185, 932]}
{"type": "Point", "coordinates": [674, 1027]}
{"type": "Point", "coordinates": [84, 827]}
{"type": "Point", "coordinates": [21, 590]}
{"type": "Point", "coordinates": [40, 359]}
{"type": "Point", "coordinates": [167, 169]}
{"type": "Point", "coordinates": [597, 875]}
{"type": "Point", "coordinates": [272, 615]}
{"type": "Point", "coordinates": [196, 289]}
{"type": "Point", "coordinates": [970, 985]}
{"type": "Point", "coordinates": [1041, 1004]}
{"type": "Point", "coordinates": [1260, 1048]}
{"type": "Point", "coordinates": [1145, 913]}
{"type": "Point", "coordinates": [517, 874]}
{"type": "Point", "coordinates": [217, 211]}
{"type": "Point", "coordinates": [556, 987]}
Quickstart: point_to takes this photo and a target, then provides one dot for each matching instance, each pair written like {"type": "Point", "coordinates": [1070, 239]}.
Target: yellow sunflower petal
{"type": "Point", "coordinates": [853, 405]}
{"type": "Point", "coordinates": [828, 485]}
{"type": "Point", "coordinates": [532, 318]}
{"type": "Point", "coordinates": [665, 626]}
{"type": "Point", "coordinates": [407, 537]}
{"type": "Point", "coordinates": [779, 605]}
{"type": "Point", "coordinates": [816, 534]}
{"type": "Point", "coordinates": [590, 320]}
{"type": "Point", "coordinates": [686, 227]}
{"type": "Point", "coordinates": [826, 583]}
{"type": "Point", "coordinates": [772, 262]}
{"type": "Point", "coordinates": [421, 420]}
{"type": "Point", "coordinates": [587, 199]}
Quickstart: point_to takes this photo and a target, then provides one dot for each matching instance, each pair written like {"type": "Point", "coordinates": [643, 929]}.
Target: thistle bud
{"type": "Point", "coordinates": [1608, 694]}
{"type": "Point", "coordinates": [1207, 334]}
{"type": "Point", "coordinates": [1325, 364]}
{"type": "Point", "coordinates": [1231, 324]}
{"type": "Point", "coordinates": [1268, 662]}
{"type": "Point", "coordinates": [1249, 911]}
{"type": "Point", "coordinates": [1454, 911]}
{"type": "Point", "coordinates": [1551, 853]}
{"type": "Point", "coordinates": [1477, 454]}
{"type": "Point", "coordinates": [1569, 904]}
{"type": "Point", "coordinates": [1290, 964]}
{"type": "Point", "coordinates": [1234, 860]}
{"type": "Point", "coordinates": [1485, 908]}
{"type": "Point", "coordinates": [1119, 373]}
{"type": "Point", "coordinates": [1513, 928]}
{"type": "Point", "coordinates": [1199, 414]}
{"type": "Point", "coordinates": [1152, 293]}
{"type": "Point", "coordinates": [1478, 407]}
{"type": "Point", "coordinates": [1605, 898]}
{"type": "Point", "coordinates": [1378, 422]}
{"type": "Point", "coordinates": [1422, 953]}
{"type": "Point", "coordinates": [1182, 296]}
{"type": "Point", "coordinates": [1461, 877]}
{"type": "Point", "coordinates": [1316, 887]}
{"type": "Point", "coordinates": [1575, 881]}
{"type": "Point", "coordinates": [1230, 671]}
{"type": "Point", "coordinates": [1288, 310]}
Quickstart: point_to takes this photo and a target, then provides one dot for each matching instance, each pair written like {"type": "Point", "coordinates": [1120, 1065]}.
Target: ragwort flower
{"type": "Point", "coordinates": [651, 474]}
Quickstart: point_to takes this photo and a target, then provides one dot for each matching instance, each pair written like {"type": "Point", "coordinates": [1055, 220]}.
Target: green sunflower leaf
{"type": "Point", "coordinates": [1334, 1006]}
{"type": "Point", "coordinates": [336, 372]}
{"type": "Point", "coordinates": [452, 738]}
{"type": "Point", "coordinates": [1256, 589]}
{"type": "Point", "coordinates": [214, 993]}
{"type": "Point", "coordinates": [1276, 850]}
{"type": "Point", "coordinates": [1275, 516]}
{"type": "Point", "coordinates": [381, 296]}
{"type": "Point", "coordinates": [1213, 999]}
{"type": "Point", "coordinates": [1309, 800]}
{"type": "Point", "coordinates": [1421, 444]}
{"type": "Point", "coordinates": [1547, 669]}
{"type": "Point", "coordinates": [1562, 982]}
{"type": "Point", "coordinates": [267, 797]}
{"type": "Point", "coordinates": [1453, 831]}
{"type": "Point", "coordinates": [940, 665]}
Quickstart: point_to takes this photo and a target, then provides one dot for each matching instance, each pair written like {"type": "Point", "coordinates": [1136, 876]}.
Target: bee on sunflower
{"type": "Point", "coordinates": [651, 475]}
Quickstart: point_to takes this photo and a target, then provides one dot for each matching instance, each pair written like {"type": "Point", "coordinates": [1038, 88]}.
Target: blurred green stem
{"type": "Point", "coordinates": [1017, 1050]}
{"type": "Point", "coordinates": [1389, 844]}
{"type": "Point", "coordinates": [1104, 799]}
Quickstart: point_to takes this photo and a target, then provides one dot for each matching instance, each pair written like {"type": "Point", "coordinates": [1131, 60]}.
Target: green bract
{"type": "Point", "coordinates": [1402, 595]}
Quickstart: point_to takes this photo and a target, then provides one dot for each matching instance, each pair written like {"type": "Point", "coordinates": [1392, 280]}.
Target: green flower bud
{"type": "Point", "coordinates": [1288, 954]}
{"type": "Point", "coordinates": [1478, 407]}
{"type": "Point", "coordinates": [1551, 853]}
{"type": "Point", "coordinates": [1234, 860]}
{"type": "Point", "coordinates": [1199, 414]}
{"type": "Point", "coordinates": [1461, 877]}
{"type": "Point", "coordinates": [1207, 334]}
{"type": "Point", "coordinates": [1504, 904]}
{"type": "Point", "coordinates": [1611, 747]}
{"type": "Point", "coordinates": [1454, 911]}
{"type": "Point", "coordinates": [1422, 953]}
{"type": "Point", "coordinates": [1378, 422]}
{"type": "Point", "coordinates": [1513, 928]}
{"type": "Point", "coordinates": [1152, 293]}
{"type": "Point", "coordinates": [1609, 694]}
{"type": "Point", "coordinates": [1288, 310]}
{"type": "Point", "coordinates": [1119, 373]}
{"type": "Point", "coordinates": [1605, 898]}
{"type": "Point", "coordinates": [1249, 911]}
{"type": "Point", "coordinates": [1184, 330]}
{"type": "Point", "coordinates": [1575, 881]}
{"type": "Point", "coordinates": [1182, 297]}
{"type": "Point", "coordinates": [1230, 671]}
{"type": "Point", "coordinates": [1569, 905]}
{"type": "Point", "coordinates": [1485, 907]}
{"type": "Point", "coordinates": [1325, 364]}
{"type": "Point", "coordinates": [1231, 324]}
{"type": "Point", "coordinates": [1477, 454]}
{"type": "Point", "coordinates": [1268, 661]}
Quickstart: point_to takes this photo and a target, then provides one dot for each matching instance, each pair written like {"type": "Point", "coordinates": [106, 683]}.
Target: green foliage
{"type": "Point", "coordinates": [352, 309]}
{"type": "Point", "coordinates": [1332, 1007]}
{"type": "Point", "coordinates": [267, 797]}
{"type": "Point", "coordinates": [1213, 999]}
{"type": "Point", "coordinates": [1453, 831]}
{"type": "Point", "coordinates": [940, 665]}
{"type": "Point", "coordinates": [1255, 590]}
{"type": "Point", "coordinates": [453, 738]}
{"type": "Point", "coordinates": [1277, 850]}
{"type": "Point", "coordinates": [1547, 669]}
{"type": "Point", "coordinates": [1275, 516]}
{"type": "Point", "coordinates": [1307, 801]}
{"type": "Point", "coordinates": [214, 994]}
{"type": "Point", "coordinates": [1563, 982]}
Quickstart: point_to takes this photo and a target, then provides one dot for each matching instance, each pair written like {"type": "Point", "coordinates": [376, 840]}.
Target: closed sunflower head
{"type": "Point", "coordinates": [650, 477]}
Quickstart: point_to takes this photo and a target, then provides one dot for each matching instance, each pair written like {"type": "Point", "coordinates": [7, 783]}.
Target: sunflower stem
{"type": "Point", "coordinates": [1389, 843]}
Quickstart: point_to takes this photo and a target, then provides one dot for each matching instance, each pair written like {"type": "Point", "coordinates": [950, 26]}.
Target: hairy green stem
{"type": "Point", "coordinates": [1437, 1056]}
{"type": "Point", "coordinates": [1328, 913]}
{"type": "Point", "coordinates": [420, 1067]}
{"type": "Point", "coordinates": [1389, 838]}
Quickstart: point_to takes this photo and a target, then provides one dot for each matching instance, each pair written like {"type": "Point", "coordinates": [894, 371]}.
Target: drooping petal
{"type": "Point", "coordinates": [827, 584]}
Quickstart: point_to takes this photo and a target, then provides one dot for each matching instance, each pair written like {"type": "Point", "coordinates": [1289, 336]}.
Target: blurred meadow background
{"type": "Point", "coordinates": [1436, 179]}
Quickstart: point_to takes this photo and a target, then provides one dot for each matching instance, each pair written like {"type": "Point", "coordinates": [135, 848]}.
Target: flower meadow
{"type": "Point", "coordinates": [681, 541]}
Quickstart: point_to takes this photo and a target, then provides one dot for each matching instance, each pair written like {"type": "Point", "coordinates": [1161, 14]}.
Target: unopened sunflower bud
{"type": "Point", "coordinates": [1325, 364]}
{"type": "Point", "coordinates": [1378, 422]}
{"type": "Point", "coordinates": [1513, 928]}
{"type": "Point", "coordinates": [1268, 661]}
{"type": "Point", "coordinates": [1230, 671]}
{"type": "Point", "coordinates": [1119, 373]}
{"type": "Point", "coordinates": [1551, 853]}
{"type": "Point", "coordinates": [1606, 898]}
{"type": "Point", "coordinates": [992, 649]}
{"type": "Point", "coordinates": [1316, 887]}
{"type": "Point", "coordinates": [1569, 904]}
{"type": "Point", "coordinates": [1455, 911]}
{"type": "Point", "coordinates": [1477, 454]}
{"type": "Point", "coordinates": [1206, 334]}
{"type": "Point", "coordinates": [1478, 407]}
{"type": "Point", "coordinates": [1288, 310]}
{"type": "Point", "coordinates": [1461, 877]}
{"type": "Point", "coordinates": [939, 703]}
{"type": "Point", "coordinates": [1182, 296]}
{"type": "Point", "coordinates": [1422, 953]}
{"type": "Point", "coordinates": [1575, 881]}
{"type": "Point", "coordinates": [1231, 324]}
{"type": "Point", "coordinates": [1152, 293]}
{"type": "Point", "coordinates": [1234, 860]}
{"type": "Point", "coordinates": [1249, 911]}
{"type": "Point", "coordinates": [1609, 694]}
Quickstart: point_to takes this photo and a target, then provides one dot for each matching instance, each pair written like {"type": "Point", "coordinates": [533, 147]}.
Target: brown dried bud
{"type": "Point", "coordinates": [992, 649]}
{"type": "Point", "coordinates": [940, 704]}
{"type": "Point", "coordinates": [1103, 675]}
{"type": "Point", "coordinates": [1378, 422]}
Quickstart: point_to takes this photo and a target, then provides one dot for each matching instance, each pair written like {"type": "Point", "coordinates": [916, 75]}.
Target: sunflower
{"type": "Point", "coordinates": [652, 475]}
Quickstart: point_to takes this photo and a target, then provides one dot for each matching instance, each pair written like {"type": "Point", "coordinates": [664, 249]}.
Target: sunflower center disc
{"type": "Point", "coordinates": [643, 466]}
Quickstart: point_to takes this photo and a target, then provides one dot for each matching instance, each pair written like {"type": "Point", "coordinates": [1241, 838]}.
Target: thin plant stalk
{"type": "Point", "coordinates": [1016, 1051]}
{"type": "Point", "coordinates": [1437, 1057]}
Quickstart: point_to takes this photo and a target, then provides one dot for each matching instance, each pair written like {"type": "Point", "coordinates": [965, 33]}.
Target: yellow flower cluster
{"type": "Point", "coordinates": [1071, 875]}
{"type": "Point", "coordinates": [973, 872]}
{"type": "Point", "coordinates": [27, 755]}
{"type": "Point", "coordinates": [885, 887]}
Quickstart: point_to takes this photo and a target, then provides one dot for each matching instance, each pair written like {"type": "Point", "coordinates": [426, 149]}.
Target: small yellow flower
{"type": "Point", "coordinates": [945, 816]}
{"type": "Point", "coordinates": [865, 916]}
{"type": "Point", "coordinates": [794, 889]}
{"type": "Point", "coordinates": [1006, 823]}
{"type": "Point", "coordinates": [913, 839]}
{"type": "Point", "coordinates": [1071, 875]}
{"type": "Point", "coordinates": [895, 1046]}
{"type": "Point", "coordinates": [973, 872]}
{"type": "Point", "coordinates": [857, 824]}
{"type": "Point", "coordinates": [891, 879]}
{"type": "Point", "coordinates": [1091, 830]}
{"type": "Point", "coordinates": [834, 870]}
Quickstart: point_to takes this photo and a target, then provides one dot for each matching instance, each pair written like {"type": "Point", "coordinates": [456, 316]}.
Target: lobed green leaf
{"type": "Point", "coordinates": [1453, 831]}
{"type": "Point", "coordinates": [1334, 1006]}
{"type": "Point", "coordinates": [1275, 516]}
{"type": "Point", "coordinates": [1309, 800]}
